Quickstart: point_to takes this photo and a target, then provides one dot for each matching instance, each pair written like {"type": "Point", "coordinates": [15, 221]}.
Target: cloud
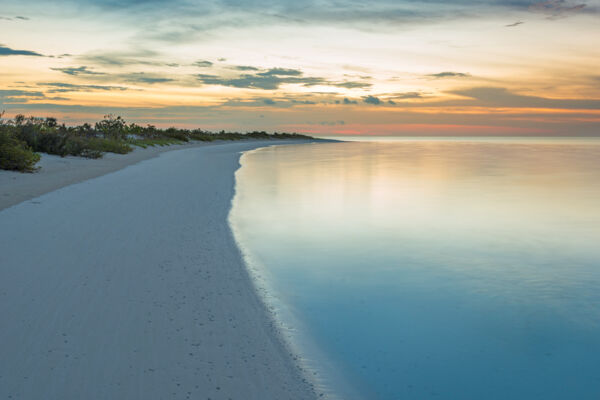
{"type": "Point", "coordinates": [245, 68]}
{"type": "Point", "coordinates": [6, 51]}
{"type": "Point", "coordinates": [133, 77]}
{"type": "Point", "coordinates": [357, 14]}
{"type": "Point", "coordinates": [22, 97]}
{"type": "Point", "coordinates": [514, 24]}
{"type": "Point", "coordinates": [305, 102]}
{"type": "Point", "coordinates": [271, 79]}
{"type": "Point", "coordinates": [280, 101]}
{"type": "Point", "coordinates": [125, 58]}
{"type": "Point", "coordinates": [449, 74]}
{"type": "Point", "coordinates": [408, 95]}
{"type": "Point", "coordinates": [16, 96]}
{"type": "Point", "coordinates": [502, 97]}
{"type": "Point", "coordinates": [20, 93]}
{"type": "Point", "coordinates": [390, 98]}
{"type": "Point", "coordinates": [189, 21]}
{"type": "Point", "coordinates": [194, 18]}
{"type": "Point", "coordinates": [371, 100]}
{"type": "Point", "coordinates": [18, 17]}
{"type": "Point", "coordinates": [75, 71]}
{"type": "Point", "coordinates": [203, 64]}
{"type": "Point", "coordinates": [556, 8]}
{"type": "Point", "coordinates": [353, 85]}
{"type": "Point", "coordinates": [60, 87]}
{"type": "Point", "coordinates": [280, 72]}
{"type": "Point", "coordinates": [106, 59]}
{"type": "Point", "coordinates": [141, 77]}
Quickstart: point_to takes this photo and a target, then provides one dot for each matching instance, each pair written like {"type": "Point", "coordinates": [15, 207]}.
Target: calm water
{"type": "Point", "coordinates": [433, 269]}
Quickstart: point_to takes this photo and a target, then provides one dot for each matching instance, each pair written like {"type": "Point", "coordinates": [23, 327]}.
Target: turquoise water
{"type": "Point", "coordinates": [432, 269]}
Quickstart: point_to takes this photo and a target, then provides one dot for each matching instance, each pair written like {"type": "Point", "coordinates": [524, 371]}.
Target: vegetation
{"type": "Point", "coordinates": [22, 138]}
{"type": "Point", "coordinates": [15, 154]}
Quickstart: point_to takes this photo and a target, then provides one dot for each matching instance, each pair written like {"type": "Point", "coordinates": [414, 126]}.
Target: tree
{"type": "Point", "coordinates": [112, 127]}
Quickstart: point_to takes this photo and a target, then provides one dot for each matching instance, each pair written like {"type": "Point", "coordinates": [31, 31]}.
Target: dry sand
{"type": "Point", "coordinates": [56, 172]}
{"type": "Point", "coordinates": [131, 286]}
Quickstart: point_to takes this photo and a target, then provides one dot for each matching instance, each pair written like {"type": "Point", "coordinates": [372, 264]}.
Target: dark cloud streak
{"type": "Point", "coordinates": [61, 87]}
{"type": "Point", "coordinates": [449, 74]}
{"type": "Point", "coordinates": [7, 51]}
{"type": "Point", "coordinates": [372, 100]}
{"type": "Point", "coordinates": [203, 64]}
{"type": "Point", "coordinates": [245, 68]}
{"type": "Point", "coordinates": [141, 77]}
{"type": "Point", "coordinates": [249, 81]}
{"type": "Point", "coordinates": [272, 79]}
{"type": "Point", "coordinates": [76, 71]}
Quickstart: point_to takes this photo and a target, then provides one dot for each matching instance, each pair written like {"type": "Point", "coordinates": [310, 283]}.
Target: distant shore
{"type": "Point", "coordinates": [130, 285]}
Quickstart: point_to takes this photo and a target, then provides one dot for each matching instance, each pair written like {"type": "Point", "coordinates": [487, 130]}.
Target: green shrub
{"type": "Point", "coordinates": [23, 136]}
{"type": "Point", "coordinates": [108, 146]}
{"type": "Point", "coordinates": [112, 127]}
{"type": "Point", "coordinates": [15, 155]}
{"type": "Point", "coordinates": [178, 134]}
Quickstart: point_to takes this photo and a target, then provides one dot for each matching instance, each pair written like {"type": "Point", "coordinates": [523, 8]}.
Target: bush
{"type": "Point", "coordinates": [48, 137]}
{"type": "Point", "coordinates": [23, 136]}
{"type": "Point", "coordinates": [112, 127]}
{"type": "Point", "coordinates": [108, 146]}
{"type": "Point", "coordinates": [174, 133]}
{"type": "Point", "coordinates": [15, 155]}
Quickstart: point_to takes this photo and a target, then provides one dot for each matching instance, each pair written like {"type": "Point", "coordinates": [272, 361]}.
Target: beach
{"type": "Point", "coordinates": [123, 281]}
{"type": "Point", "coordinates": [55, 172]}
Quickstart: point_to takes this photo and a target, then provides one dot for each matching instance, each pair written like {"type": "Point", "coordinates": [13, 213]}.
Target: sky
{"type": "Point", "coordinates": [323, 67]}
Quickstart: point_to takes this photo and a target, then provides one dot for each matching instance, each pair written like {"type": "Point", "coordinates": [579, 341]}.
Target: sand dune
{"type": "Point", "coordinates": [130, 286]}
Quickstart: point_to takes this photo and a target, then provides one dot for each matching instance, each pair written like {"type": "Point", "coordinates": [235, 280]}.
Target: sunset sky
{"type": "Point", "coordinates": [382, 67]}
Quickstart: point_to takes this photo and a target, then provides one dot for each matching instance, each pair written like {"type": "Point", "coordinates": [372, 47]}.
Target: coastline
{"type": "Point", "coordinates": [323, 372]}
{"type": "Point", "coordinates": [117, 300]}
{"type": "Point", "coordinates": [56, 172]}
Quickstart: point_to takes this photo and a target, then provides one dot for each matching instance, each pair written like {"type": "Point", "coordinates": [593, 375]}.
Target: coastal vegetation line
{"type": "Point", "coordinates": [23, 138]}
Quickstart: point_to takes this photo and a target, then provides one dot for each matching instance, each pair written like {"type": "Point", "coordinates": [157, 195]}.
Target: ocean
{"type": "Point", "coordinates": [431, 268]}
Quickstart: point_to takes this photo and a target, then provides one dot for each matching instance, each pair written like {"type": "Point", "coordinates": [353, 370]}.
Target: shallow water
{"type": "Point", "coordinates": [433, 269]}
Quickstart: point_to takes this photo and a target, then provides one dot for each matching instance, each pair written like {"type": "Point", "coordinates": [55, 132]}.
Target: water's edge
{"type": "Point", "coordinates": [316, 368]}
{"type": "Point", "coordinates": [434, 269]}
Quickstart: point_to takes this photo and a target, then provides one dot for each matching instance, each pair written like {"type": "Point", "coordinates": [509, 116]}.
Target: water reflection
{"type": "Point", "coordinates": [436, 269]}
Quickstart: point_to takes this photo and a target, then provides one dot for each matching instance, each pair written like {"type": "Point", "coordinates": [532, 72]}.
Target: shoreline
{"type": "Point", "coordinates": [115, 300]}
{"type": "Point", "coordinates": [56, 172]}
{"type": "Point", "coordinates": [322, 371]}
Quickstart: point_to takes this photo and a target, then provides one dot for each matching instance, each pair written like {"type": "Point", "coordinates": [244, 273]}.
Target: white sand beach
{"type": "Point", "coordinates": [55, 172]}
{"type": "Point", "coordinates": [131, 286]}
